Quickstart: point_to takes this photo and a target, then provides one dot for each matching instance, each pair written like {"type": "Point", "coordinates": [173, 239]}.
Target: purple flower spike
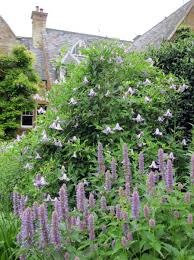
{"type": "Point", "coordinates": [169, 176]}
{"type": "Point", "coordinates": [190, 219]}
{"type": "Point", "coordinates": [101, 166]}
{"type": "Point", "coordinates": [64, 202]}
{"type": "Point", "coordinates": [118, 212]}
{"type": "Point", "coordinates": [112, 210]}
{"type": "Point", "coordinates": [43, 226]}
{"type": "Point", "coordinates": [151, 183]}
{"type": "Point", "coordinates": [55, 235]}
{"type": "Point", "coordinates": [57, 206]}
{"type": "Point", "coordinates": [187, 197]}
{"type": "Point", "coordinates": [124, 242]}
{"type": "Point", "coordinates": [161, 160]}
{"type": "Point", "coordinates": [107, 181]}
{"type": "Point", "coordinates": [141, 162]}
{"type": "Point", "coordinates": [35, 209]}
{"type": "Point", "coordinates": [91, 227]}
{"type": "Point", "coordinates": [114, 169]}
{"type": "Point", "coordinates": [192, 169]}
{"type": "Point", "coordinates": [91, 200]}
{"type": "Point", "coordinates": [152, 223]}
{"type": "Point", "coordinates": [129, 236]}
{"type": "Point", "coordinates": [146, 211]}
{"type": "Point", "coordinates": [80, 196]}
{"type": "Point", "coordinates": [135, 206]}
{"type": "Point", "coordinates": [126, 164]}
{"type": "Point", "coordinates": [27, 230]}
{"type": "Point", "coordinates": [103, 203]}
{"type": "Point", "coordinates": [66, 256]}
{"type": "Point", "coordinates": [127, 191]}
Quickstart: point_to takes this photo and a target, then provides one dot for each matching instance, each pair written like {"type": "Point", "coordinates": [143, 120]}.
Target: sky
{"type": "Point", "coordinates": [123, 19]}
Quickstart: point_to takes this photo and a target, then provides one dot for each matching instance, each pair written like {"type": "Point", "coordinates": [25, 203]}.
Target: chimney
{"type": "Point", "coordinates": [38, 26]}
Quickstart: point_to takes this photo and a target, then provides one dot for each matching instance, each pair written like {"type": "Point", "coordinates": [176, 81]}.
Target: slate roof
{"type": "Point", "coordinates": [163, 30]}
{"type": "Point", "coordinates": [55, 41]}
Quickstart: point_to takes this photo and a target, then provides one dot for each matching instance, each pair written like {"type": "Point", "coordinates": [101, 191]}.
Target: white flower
{"type": "Point", "coordinates": [147, 99]}
{"type": "Point", "coordinates": [147, 82]}
{"type": "Point", "coordinates": [18, 138]}
{"type": "Point", "coordinates": [74, 155]}
{"type": "Point", "coordinates": [58, 127]}
{"type": "Point", "coordinates": [63, 170]}
{"type": "Point", "coordinates": [173, 86]}
{"type": "Point", "coordinates": [28, 166]}
{"type": "Point", "coordinates": [38, 156]}
{"type": "Point", "coordinates": [85, 81]}
{"type": "Point", "coordinates": [73, 101]}
{"type": "Point", "coordinates": [92, 93]}
{"type": "Point", "coordinates": [45, 139]}
{"type": "Point", "coordinates": [41, 110]}
{"type": "Point", "coordinates": [107, 130]}
{"type": "Point", "coordinates": [168, 114]}
{"type": "Point", "coordinates": [183, 88]}
{"type": "Point", "coordinates": [160, 119]}
{"type": "Point", "coordinates": [157, 132]}
{"type": "Point", "coordinates": [140, 135]}
{"type": "Point", "coordinates": [74, 139]}
{"type": "Point", "coordinates": [138, 119]}
{"type": "Point", "coordinates": [107, 93]}
{"type": "Point", "coordinates": [64, 177]}
{"type": "Point", "coordinates": [74, 89]}
{"type": "Point", "coordinates": [48, 198]}
{"type": "Point", "coordinates": [130, 91]}
{"type": "Point", "coordinates": [154, 165]}
{"type": "Point", "coordinates": [184, 142]}
{"type": "Point", "coordinates": [117, 127]}
{"type": "Point", "coordinates": [171, 156]}
{"type": "Point", "coordinates": [56, 81]}
{"type": "Point", "coordinates": [58, 143]}
{"type": "Point", "coordinates": [150, 61]}
{"type": "Point", "coordinates": [40, 182]}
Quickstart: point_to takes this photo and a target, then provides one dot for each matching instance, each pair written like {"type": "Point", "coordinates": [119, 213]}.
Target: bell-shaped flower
{"type": "Point", "coordinates": [74, 155]}
{"type": "Point", "coordinates": [73, 101]}
{"type": "Point", "coordinates": [92, 93]}
{"type": "Point", "coordinates": [28, 166]}
{"type": "Point", "coordinates": [130, 91]}
{"type": "Point", "coordinates": [58, 143]}
{"type": "Point", "coordinates": [107, 93]}
{"type": "Point", "coordinates": [64, 177]}
{"type": "Point", "coordinates": [85, 81]}
{"type": "Point", "coordinates": [147, 99]}
{"type": "Point", "coordinates": [117, 127]}
{"type": "Point", "coordinates": [171, 156]}
{"type": "Point", "coordinates": [147, 82]}
{"type": "Point", "coordinates": [40, 181]}
{"type": "Point", "coordinates": [183, 88]}
{"type": "Point", "coordinates": [38, 157]}
{"type": "Point", "coordinates": [41, 110]}
{"type": "Point", "coordinates": [153, 165]}
{"type": "Point", "coordinates": [160, 119]}
{"type": "Point", "coordinates": [168, 114]}
{"type": "Point", "coordinates": [119, 59]}
{"type": "Point", "coordinates": [58, 127]}
{"type": "Point", "coordinates": [184, 142]}
{"type": "Point", "coordinates": [140, 134]}
{"type": "Point", "coordinates": [157, 132]}
{"type": "Point", "coordinates": [138, 119]}
{"type": "Point", "coordinates": [173, 86]}
{"type": "Point", "coordinates": [150, 61]}
{"type": "Point", "coordinates": [107, 130]}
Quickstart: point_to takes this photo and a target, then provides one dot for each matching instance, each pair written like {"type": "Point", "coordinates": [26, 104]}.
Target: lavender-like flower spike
{"type": "Point", "coordinates": [135, 206]}
{"type": "Point", "coordinates": [152, 223]}
{"type": "Point", "coordinates": [101, 166]}
{"type": "Point", "coordinates": [27, 230]}
{"type": "Point", "coordinates": [118, 212]}
{"type": "Point", "coordinates": [169, 176]}
{"type": "Point", "coordinates": [66, 256]}
{"type": "Point", "coordinates": [43, 226]}
{"type": "Point", "coordinates": [126, 164]}
{"type": "Point", "coordinates": [35, 209]}
{"type": "Point", "coordinates": [141, 162]}
{"type": "Point", "coordinates": [114, 169]}
{"type": "Point", "coordinates": [187, 197]}
{"type": "Point", "coordinates": [91, 227]}
{"type": "Point", "coordinates": [151, 183]}
{"type": "Point", "coordinates": [146, 211]}
{"type": "Point", "coordinates": [107, 181]}
{"type": "Point", "coordinates": [161, 160]}
{"type": "Point", "coordinates": [103, 203]}
{"type": "Point", "coordinates": [55, 235]}
{"type": "Point", "coordinates": [80, 196]}
{"type": "Point", "coordinates": [64, 202]}
{"type": "Point", "coordinates": [58, 209]}
{"type": "Point", "coordinates": [190, 219]}
{"type": "Point", "coordinates": [127, 191]}
{"type": "Point", "coordinates": [91, 200]}
{"type": "Point", "coordinates": [192, 169]}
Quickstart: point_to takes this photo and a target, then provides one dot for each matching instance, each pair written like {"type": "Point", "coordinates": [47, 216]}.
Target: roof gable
{"type": "Point", "coordinates": [5, 29]}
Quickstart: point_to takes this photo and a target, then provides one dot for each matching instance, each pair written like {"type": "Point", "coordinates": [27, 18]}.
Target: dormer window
{"type": "Point", "coordinates": [27, 119]}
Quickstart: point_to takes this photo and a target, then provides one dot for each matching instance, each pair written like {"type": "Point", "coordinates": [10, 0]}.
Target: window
{"type": "Point", "coordinates": [27, 119]}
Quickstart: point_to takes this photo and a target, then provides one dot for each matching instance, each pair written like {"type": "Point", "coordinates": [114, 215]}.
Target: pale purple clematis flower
{"type": "Point", "coordinates": [160, 119]}
{"type": "Point", "coordinates": [184, 142]}
{"type": "Point", "coordinates": [56, 125]}
{"type": "Point", "coordinates": [117, 127]}
{"type": "Point", "coordinates": [168, 114]}
{"type": "Point", "coordinates": [119, 59]}
{"type": "Point", "coordinates": [64, 177]}
{"type": "Point", "coordinates": [48, 198]}
{"type": "Point", "coordinates": [140, 134]}
{"type": "Point", "coordinates": [92, 93]}
{"type": "Point", "coordinates": [107, 130]}
{"type": "Point", "coordinates": [153, 165]}
{"type": "Point", "coordinates": [58, 143]}
{"type": "Point", "coordinates": [85, 81]}
{"type": "Point", "coordinates": [107, 93]}
{"type": "Point", "coordinates": [45, 139]}
{"type": "Point", "coordinates": [150, 61]}
{"type": "Point", "coordinates": [171, 156]}
{"type": "Point", "coordinates": [183, 88]}
{"type": "Point", "coordinates": [157, 132]}
{"type": "Point", "coordinates": [40, 181]}
{"type": "Point", "coordinates": [147, 99]}
{"type": "Point", "coordinates": [138, 119]}
{"type": "Point", "coordinates": [131, 91]}
{"type": "Point", "coordinates": [38, 157]}
{"type": "Point", "coordinates": [41, 110]}
{"type": "Point", "coordinates": [28, 166]}
{"type": "Point", "coordinates": [147, 82]}
{"type": "Point", "coordinates": [173, 86]}
{"type": "Point", "coordinates": [73, 101]}
{"type": "Point", "coordinates": [18, 138]}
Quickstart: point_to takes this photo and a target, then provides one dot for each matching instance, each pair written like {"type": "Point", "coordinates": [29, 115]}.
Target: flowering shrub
{"type": "Point", "coordinates": [113, 97]}
{"type": "Point", "coordinates": [142, 214]}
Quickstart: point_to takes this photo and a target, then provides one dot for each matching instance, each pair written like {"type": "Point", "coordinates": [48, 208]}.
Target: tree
{"type": "Point", "coordinates": [17, 85]}
{"type": "Point", "coordinates": [176, 56]}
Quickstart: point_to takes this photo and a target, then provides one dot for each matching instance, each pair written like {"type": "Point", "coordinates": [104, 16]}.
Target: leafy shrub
{"type": "Point", "coordinates": [130, 214]}
{"type": "Point", "coordinates": [17, 85]}
{"type": "Point", "coordinates": [112, 96]}
{"type": "Point", "coordinates": [176, 57]}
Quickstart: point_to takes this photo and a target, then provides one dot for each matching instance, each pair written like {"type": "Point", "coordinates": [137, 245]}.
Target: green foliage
{"type": "Point", "coordinates": [122, 82]}
{"type": "Point", "coordinates": [17, 85]}
{"type": "Point", "coordinates": [176, 57]}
